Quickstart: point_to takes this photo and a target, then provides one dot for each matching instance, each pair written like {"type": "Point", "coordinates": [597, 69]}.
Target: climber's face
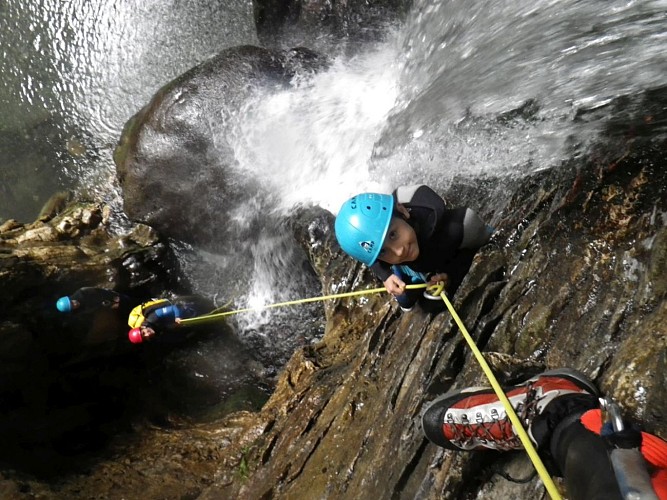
{"type": "Point", "coordinates": [400, 245]}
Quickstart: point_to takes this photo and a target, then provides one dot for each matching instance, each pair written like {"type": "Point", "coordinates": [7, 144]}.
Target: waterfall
{"type": "Point", "coordinates": [479, 89]}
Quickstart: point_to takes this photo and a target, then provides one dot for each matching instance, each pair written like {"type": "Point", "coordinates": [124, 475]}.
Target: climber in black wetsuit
{"type": "Point", "coordinates": [89, 298]}
{"type": "Point", "coordinates": [411, 236]}
{"type": "Point", "coordinates": [158, 316]}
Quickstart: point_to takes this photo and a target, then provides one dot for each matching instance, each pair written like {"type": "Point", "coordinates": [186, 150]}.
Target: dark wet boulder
{"type": "Point", "coordinates": [173, 158]}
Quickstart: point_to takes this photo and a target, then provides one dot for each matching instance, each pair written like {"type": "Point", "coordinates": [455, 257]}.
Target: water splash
{"type": "Point", "coordinates": [313, 143]}
{"type": "Point", "coordinates": [433, 102]}
{"type": "Point", "coordinates": [464, 66]}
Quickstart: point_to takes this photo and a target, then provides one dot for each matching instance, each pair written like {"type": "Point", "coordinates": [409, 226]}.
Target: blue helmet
{"type": "Point", "coordinates": [362, 223]}
{"type": "Point", "coordinates": [64, 305]}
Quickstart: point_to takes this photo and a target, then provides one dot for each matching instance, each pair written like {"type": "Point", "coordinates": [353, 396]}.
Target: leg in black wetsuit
{"type": "Point", "coordinates": [580, 456]}
{"type": "Point", "coordinates": [583, 458]}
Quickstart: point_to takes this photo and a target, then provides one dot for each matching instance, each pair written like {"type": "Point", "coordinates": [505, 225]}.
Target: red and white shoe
{"type": "Point", "coordinates": [475, 419]}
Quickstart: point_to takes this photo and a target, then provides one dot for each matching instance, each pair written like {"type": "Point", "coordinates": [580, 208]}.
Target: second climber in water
{"type": "Point", "coordinates": [158, 316]}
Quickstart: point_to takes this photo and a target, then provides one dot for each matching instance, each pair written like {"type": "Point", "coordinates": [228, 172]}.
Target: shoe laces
{"type": "Point", "coordinates": [496, 433]}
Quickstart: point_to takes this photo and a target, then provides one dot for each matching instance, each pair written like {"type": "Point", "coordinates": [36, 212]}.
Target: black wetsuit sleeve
{"type": "Point", "coordinates": [421, 196]}
{"type": "Point", "coordinates": [92, 297]}
{"type": "Point", "coordinates": [150, 319]}
{"type": "Point", "coordinates": [457, 268]}
{"type": "Point", "coordinates": [381, 270]}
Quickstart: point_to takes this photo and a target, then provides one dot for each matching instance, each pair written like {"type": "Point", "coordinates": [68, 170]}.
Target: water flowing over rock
{"type": "Point", "coordinates": [553, 117]}
{"type": "Point", "coordinates": [570, 280]}
{"type": "Point", "coordinates": [173, 157]}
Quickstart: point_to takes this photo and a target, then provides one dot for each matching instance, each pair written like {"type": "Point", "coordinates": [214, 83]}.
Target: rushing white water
{"type": "Point", "coordinates": [313, 143]}
{"type": "Point", "coordinates": [89, 65]}
{"type": "Point", "coordinates": [467, 63]}
{"type": "Point", "coordinates": [423, 106]}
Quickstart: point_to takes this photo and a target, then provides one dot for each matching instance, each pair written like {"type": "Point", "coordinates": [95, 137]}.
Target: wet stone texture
{"type": "Point", "coordinates": [575, 277]}
{"type": "Point", "coordinates": [183, 133]}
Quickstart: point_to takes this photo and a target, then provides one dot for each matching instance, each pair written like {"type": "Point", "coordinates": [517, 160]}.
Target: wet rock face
{"type": "Point", "coordinates": [574, 278]}
{"type": "Point", "coordinates": [173, 156]}
{"type": "Point", "coordinates": [72, 382]}
{"type": "Point", "coordinates": [72, 245]}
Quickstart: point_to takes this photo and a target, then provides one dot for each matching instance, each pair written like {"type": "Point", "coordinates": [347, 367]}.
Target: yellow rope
{"type": "Point", "coordinates": [211, 316]}
{"type": "Point", "coordinates": [518, 426]}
